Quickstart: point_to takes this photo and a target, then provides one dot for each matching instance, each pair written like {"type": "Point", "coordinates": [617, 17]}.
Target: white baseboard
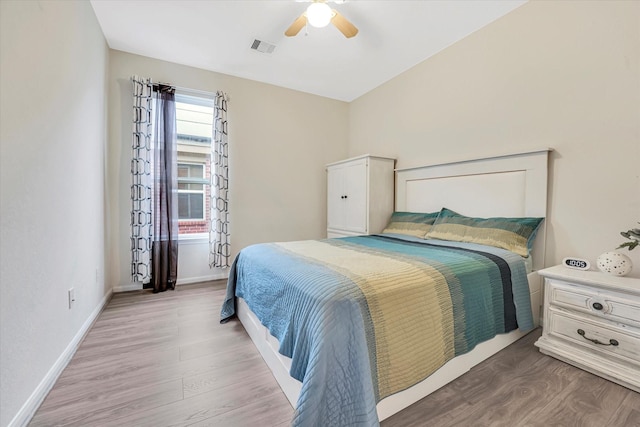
{"type": "Point", "coordinates": [34, 401]}
{"type": "Point", "coordinates": [223, 274]}
{"type": "Point", "coordinates": [189, 280]}
{"type": "Point", "coordinates": [127, 288]}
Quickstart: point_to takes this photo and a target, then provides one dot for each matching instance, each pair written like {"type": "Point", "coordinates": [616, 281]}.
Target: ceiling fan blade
{"type": "Point", "coordinates": [296, 26]}
{"type": "Point", "coordinates": [347, 28]}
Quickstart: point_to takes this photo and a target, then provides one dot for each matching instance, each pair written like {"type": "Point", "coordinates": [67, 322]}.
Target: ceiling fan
{"type": "Point", "coordinates": [319, 14]}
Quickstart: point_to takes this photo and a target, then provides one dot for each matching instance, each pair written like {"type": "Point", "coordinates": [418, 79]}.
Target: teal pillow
{"type": "Point", "coordinates": [411, 223]}
{"type": "Point", "coordinates": [513, 234]}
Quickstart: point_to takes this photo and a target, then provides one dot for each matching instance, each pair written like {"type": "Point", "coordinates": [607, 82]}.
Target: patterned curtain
{"type": "Point", "coordinates": [219, 239]}
{"type": "Point", "coordinates": [141, 227]}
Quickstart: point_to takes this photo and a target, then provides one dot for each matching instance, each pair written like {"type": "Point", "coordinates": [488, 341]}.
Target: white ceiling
{"type": "Point", "coordinates": [217, 35]}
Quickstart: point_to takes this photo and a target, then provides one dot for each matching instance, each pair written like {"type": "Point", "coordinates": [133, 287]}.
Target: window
{"type": "Point", "coordinates": [191, 191]}
{"type": "Point", "coordinates": [194, 121]}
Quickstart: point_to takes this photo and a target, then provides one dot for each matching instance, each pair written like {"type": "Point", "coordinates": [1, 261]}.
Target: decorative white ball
{"type": "Point", "coordinates": [614, 263]}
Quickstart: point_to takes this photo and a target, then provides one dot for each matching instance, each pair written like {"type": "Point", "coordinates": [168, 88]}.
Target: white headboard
{"type": "Point", "coordinates": [513, 185]}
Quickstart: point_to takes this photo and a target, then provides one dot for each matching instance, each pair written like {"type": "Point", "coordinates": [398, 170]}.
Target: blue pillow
{"type": "Point", "coordinates": [411, 223]}
{"type": "Point", "coordinates": [514, 234]}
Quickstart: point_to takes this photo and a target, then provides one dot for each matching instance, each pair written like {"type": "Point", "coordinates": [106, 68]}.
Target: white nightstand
{"type": "Point", "coordinates": [592, 321]}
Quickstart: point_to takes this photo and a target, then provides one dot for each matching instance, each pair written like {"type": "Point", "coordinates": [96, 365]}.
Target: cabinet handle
{"type": "Point", "coordinates": [595, 341]}
{"type": "Point", "coordinates": [597, 306]}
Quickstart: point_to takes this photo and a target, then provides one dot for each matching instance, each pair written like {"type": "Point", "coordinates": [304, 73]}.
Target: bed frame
{"type": "Point", "coordinates": [513, 185]}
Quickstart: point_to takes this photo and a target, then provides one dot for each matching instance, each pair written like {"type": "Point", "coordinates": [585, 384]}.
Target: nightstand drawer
{"type": "Point", "coordinates": [595, 336]}
{"type": "Point", "coordinates": [609, 305]}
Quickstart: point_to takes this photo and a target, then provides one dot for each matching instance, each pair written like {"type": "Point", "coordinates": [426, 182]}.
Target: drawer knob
{"type": "Point", "coordinates": [597, 306]}
{"type": "Point", "coordinates": [612, 342]}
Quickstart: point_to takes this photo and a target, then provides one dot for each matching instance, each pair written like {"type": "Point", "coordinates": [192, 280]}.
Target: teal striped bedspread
{"type": "Point", "coordinates": [365, 317]}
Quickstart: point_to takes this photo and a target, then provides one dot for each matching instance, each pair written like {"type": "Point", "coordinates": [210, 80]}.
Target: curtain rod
{"type": "Point", "coordinates": [181, 88]}
{"type": "Point", "coordinates": [188, 90]}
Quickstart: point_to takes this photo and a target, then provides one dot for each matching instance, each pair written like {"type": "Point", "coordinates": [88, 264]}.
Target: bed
{"type": "Point", "coordinates": [353, 346]}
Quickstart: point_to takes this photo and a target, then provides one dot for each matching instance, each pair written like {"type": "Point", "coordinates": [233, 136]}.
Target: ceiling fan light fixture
{"type": "Point", "coordinates": [319, 14]}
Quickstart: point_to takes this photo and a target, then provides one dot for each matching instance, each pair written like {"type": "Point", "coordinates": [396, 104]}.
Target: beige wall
{"type": "Point", "coordinates": [557, 74]}
{"type": "Point", "coordinates": [279, 140]}
{"type": "Point", "coordinates": [561, 74]}
{"type": "Point", "coordinates": [53, 138]}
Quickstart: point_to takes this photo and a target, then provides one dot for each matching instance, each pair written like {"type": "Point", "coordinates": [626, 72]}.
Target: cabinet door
{"type": "Point", "coordinates": [335, 197]}
{"type": "Point", "coordinates": [355, 210]}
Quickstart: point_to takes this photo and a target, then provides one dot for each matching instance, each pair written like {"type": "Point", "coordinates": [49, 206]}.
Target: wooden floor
{"type": "Point", "coordinates": [164, 360]}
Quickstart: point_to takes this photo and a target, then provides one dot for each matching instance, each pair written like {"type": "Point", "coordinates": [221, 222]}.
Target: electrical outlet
{"type": "Point", "coordinates": [72, 297]}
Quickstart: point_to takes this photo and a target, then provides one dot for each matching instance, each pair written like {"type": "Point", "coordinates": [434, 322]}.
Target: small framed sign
{"type": "Point", "coordinates": [576, 263]}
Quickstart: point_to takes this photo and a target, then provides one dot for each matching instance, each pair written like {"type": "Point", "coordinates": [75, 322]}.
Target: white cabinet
{"type": "Point", "coordinates": [592, 321]}
{"type": "Point", "coordinates": [359, 195]}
